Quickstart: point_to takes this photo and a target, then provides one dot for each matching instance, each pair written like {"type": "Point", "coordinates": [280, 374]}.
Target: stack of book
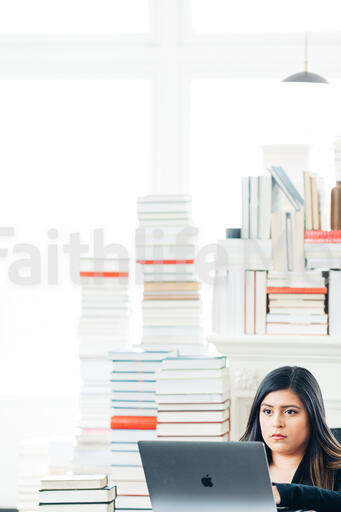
{"type": "Point", "coordinates": [193, 399]}
{"type": "Point", "coordinates": [297, 303]}
{"type": "Point", "coordinates": [104, 326]}
{"type": "Point", "coordinates": [72, 493]}
{"type": "Point", "coordinates": [312, 211]}
{"type": "Point", "coordinates": [134, 417]}
{"type": "Point", "coordinates": [323, 249]}
{"type": "Point", "coordinates": [255, 302]}
{"type": "Point", "coordinates": [166, 244]}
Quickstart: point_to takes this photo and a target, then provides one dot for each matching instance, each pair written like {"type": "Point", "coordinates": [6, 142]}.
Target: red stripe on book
{"type": "Point", "coordinates": [165, 262]}
{"type": "Point", "coordinates": [133, 422]}
{"type": "Point", "coordinates": [283, 289]}
{"type": "Point", "coordinates": [104, 274]}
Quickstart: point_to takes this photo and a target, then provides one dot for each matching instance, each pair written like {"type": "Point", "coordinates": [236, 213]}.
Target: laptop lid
{"type": "Point", "coordinates": [207, 476]}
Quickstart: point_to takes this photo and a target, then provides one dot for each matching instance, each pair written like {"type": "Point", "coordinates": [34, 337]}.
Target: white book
{"type": "Point", "coordinates": [104, 264]}
{"type": "Point", "coordinates": [192, 398]}
{"type": "Point", "coordinates": [253, 207]}
{"type": "Point", "coordinates": [171, 304]}
{"type": "Point", "coordinates": [133, 385]}
{"type": "Point", "coordinates": [210, 385]}
{"type": "Point", "coordinates": [245, 207]}
{"type": "Point", "coordinates": [224, 437]}
{"type": "Point", "coordinates": [264, 208]}
{"type": "Point", "coordinates": [260, 302]}
{"type": "Point", "coordinates": [298, 310]}
{"type": "Point", "coordinates": [133, 502]}
{"type": "Point", "coordinates": [213, 406]}
{"type": "Point", "coordinates": [167, 277]}
{"type": "Point", "coordinates": [123, 376]}
{"type": "Point", "coordinates": [126, 458]}
{"type": "Point", "coordinates": [284, 297]}
{"type": "Point", "coordinates": [124, 435]}
{"type": "Point", "coordinates": [77, 507]}
{"type": "Point", "coordinates": [299, 302]}
{"type": "Point", "coordinates": [57, 482]}
{"type": "Point", "coordinates": [298, 261]}
{"type": "Point", "coordinates": [309, 275]}
{"type": "Point", "coordinates": [193, 362]}
{"type": "Point", "coordinates": [193, 429]}
{"type": "Point", "coordinates": [119, 473]}
{"type": "Point", "coordinates": [140, 355]}
{"type": "Point", "coordinates": [106, 494]}
{"type": "Point", "coordinates": [132, 487]}
{"type": "Point", "coordinates": [133, 395]}
{"type": "Point", "coordinates": [315, 203]}
{"type": "Point", "coordinates": [249, 302]}
{"type": "Point", "coordinates": [334, 301]}
{"type": "Point", "coordinates": [200, 373]}
{"type": "Point", "coordinates": [307, 201]}
{"type": "Point", "coordinates": [168, 268]}
{"type": "Point", "coordinates": [297, 318]}
{"type": "Point", "coordinates": [131, 366]}
{"type": "Point", "coordinates": [279, 241]}
{"type": "Point", "coordinates": [132, 411]}
{"type": "Point", "coordinates": [312, 329]}
{"type": "Point", "coordinates": [192, 416]}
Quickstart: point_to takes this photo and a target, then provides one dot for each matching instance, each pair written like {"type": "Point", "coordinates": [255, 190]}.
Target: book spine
{"type": "Point", "coordinates": [287, 289]}
{"type": "Point", "coordinates": [133, 422]}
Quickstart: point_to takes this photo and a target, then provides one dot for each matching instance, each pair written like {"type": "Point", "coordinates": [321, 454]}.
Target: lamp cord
{"type": "Point", "coordinates": [306, 53]}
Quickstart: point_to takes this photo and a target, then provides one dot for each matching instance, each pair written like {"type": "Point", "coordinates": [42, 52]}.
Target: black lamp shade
{"type": "Point", "coordinates": [306, 76]}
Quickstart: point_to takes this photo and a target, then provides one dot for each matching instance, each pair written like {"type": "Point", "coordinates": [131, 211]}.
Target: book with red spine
{"type": "Point", "coordinates": [320, 236]}
{"type": "Point", "coordinates": [287, 289]}
{"type": "Point", "coordinates": [133, 422]}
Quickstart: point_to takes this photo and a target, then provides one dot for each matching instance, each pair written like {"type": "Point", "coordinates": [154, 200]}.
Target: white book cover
{"type": "Point", "coordinates": [192, 416]}
{"type": "Point", "coordinates": [254, 201]}
{"type": "Point", "coordinates": [132, 366]}
{"type": "Point", "coordinates": [245, 207]}
{"type": "Point", "coordinates": [264, 208]}
{"type": "Point", "coordinates": [284, 297]}
{"type": "Point", "coordinates": [210, 438]}
{"type": "Point", "coordinates": [134, 435]}
{"type": "Point", "coordinates": [133, 395]}
{"type": "Point", "coordinates": [133, 502]}
{"type": "Point", "coordinates": [279, 241]}
{"type": "Point", "coordinates": [209, 406]}
{"type": "Point", "coordinates": [132, 487]}
{"type": "Point", "coordinates": [298, 310]}
{"type": "Point", "coordinates": [298, 261]}
{"type": "Point", "coordinates": [86, 481]}
{"type": "Point", "coordinates": [307, 201]}
{"type": "Point", "coordinates": [124, 473]}
{"type": "Point", "coordinates": [193, 362]}
{"type": "Point", "coordinates": [192, 398]}
{"type": "Point", "coordinates": [133, 385]}
{"type": "Point", "coordinates": [171, 304]}
{"type": "Point", "coordinates": [203, 373]}
{"type": "Point", "coordinates": [210, 385]}
{"type": "Point", "coordinates": [193, 429]}
{"type": "Point", "coordinates": [305, 329]}
{"type": "Point", "coordinates": [297, 318]}
{"type": "Point", "coordinates": [168, 268]}
{"type": "Point", "coordinates": [131, 411]}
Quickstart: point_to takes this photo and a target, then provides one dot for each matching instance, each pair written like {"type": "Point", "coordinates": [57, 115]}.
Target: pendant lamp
{"type": "Point", "coordinates": [306, 76]}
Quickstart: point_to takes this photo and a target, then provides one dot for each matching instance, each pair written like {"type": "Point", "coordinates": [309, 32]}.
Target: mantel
{"type": "Point", "coordinates": [267, 346]}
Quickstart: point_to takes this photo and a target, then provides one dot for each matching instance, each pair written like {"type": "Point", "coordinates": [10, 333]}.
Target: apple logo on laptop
{"type": "Point", "coordinates": [207, 481]}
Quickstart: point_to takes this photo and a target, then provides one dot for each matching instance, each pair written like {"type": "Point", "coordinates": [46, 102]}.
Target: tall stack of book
{"type": "Point", "coordinates": [134, 417]}
{"type": "Point", "coordinates": [297, 303]}
{"type": "Point", "coordinates": [71, 493]}
{"type": "Point", "coordinates": [104, 326]}
{"type": "Point", "coordinates": [193, 399]}
{"type": "Point", "coordinates": [323, 249]}
{"type": "Point", "coordinates": [166, 244]}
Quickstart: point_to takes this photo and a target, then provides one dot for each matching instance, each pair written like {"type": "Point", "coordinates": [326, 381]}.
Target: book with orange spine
{"type": "Point", "coordinates": [287, 289]}
{"type": "Point", "coordinates": [133, 422]}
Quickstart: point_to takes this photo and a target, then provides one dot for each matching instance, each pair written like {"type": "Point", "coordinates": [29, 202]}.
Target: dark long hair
{"type": "Point", "coordinates": [323, 453]}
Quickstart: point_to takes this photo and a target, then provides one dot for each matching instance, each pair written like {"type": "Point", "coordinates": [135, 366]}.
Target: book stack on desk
{"type": "Point", "coordinates": [297, 303]}
{"type": "Point", "coordinates": [104, 325]}
{"type": "Point", "coordinates": [77, 493]}
{"type": "Point", "coordinates": [166, 245]}
{"type": "Point", "coordinates": [193, 399]}
{"type": "Point", "coordinates": [133, 418]}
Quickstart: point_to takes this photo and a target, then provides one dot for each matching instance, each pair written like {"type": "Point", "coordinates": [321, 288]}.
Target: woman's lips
{"type": "Point", "coordinates": [278, 436]}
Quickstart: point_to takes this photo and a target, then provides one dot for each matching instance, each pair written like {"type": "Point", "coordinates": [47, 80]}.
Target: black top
{"type": "Point", "coordinates": [305, 496]}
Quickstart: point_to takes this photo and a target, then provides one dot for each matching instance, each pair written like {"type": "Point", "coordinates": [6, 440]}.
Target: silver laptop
{"type": "Point", "coordinates": [207, 476]}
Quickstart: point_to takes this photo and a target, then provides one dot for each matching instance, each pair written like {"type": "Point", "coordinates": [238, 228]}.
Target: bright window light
{"type": "Point", "coordinates": [74, 157]}
{"type": "Point", "coordinates": [219, 16]}
{"type": "Point", "coordinates": [76, 17]}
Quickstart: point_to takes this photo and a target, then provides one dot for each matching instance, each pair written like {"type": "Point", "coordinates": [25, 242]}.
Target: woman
{"type": "Point", "coordinates": [304, 457]}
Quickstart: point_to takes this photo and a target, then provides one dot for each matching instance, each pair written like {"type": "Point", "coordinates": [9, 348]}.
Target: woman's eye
{"type": "Point", "coordinates": [267, 411]}
{"type": "Point", "coordinates": [291, 412]}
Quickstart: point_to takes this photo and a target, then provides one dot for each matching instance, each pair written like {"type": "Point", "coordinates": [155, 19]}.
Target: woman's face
{"type": "Point", "coordinates": [284, 423]}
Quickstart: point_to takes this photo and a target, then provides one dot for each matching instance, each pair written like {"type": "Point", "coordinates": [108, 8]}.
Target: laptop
{"type": "Point", "coordinates": [191, 476]}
